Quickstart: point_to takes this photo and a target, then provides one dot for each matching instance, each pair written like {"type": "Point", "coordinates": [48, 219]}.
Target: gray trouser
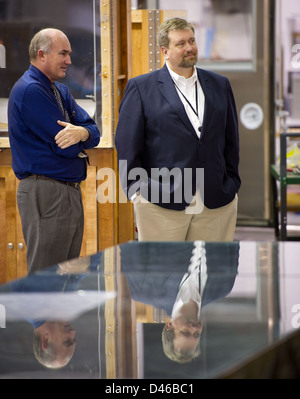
{"type": "Point", "coordinates": [52, 221]}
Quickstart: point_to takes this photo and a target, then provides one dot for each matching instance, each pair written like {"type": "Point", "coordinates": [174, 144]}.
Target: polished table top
{"type": "Point", "coordinates": [104, 315]}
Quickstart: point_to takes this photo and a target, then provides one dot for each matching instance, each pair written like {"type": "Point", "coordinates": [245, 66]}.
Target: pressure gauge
{"type": "Point", "coordinates": [251, 116]}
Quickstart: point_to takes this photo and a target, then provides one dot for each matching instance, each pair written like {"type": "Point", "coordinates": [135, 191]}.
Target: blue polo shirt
{"type": "Point", "coordinates": [33, 113]}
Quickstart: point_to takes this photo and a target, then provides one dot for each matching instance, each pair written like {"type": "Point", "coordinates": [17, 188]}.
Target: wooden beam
{"type": "Point", "coordinates": [107, 85]}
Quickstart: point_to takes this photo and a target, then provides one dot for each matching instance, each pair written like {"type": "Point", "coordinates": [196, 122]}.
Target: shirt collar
{"type": "Point", "coordinates": [39, 75]}
{"type": "Point", "coordinates": [181, 80]}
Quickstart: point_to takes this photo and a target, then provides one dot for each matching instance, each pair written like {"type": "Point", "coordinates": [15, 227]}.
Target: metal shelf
{"type": "Point", "coordinates": [279, 173]}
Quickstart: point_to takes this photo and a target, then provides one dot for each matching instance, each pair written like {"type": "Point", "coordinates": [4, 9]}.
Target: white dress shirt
{"type": "Point", "coordinates": [189, 287]}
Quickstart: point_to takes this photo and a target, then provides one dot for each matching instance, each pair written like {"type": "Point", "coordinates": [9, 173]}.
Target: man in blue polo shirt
{"type": "Point", "coordinates": [48, 134]}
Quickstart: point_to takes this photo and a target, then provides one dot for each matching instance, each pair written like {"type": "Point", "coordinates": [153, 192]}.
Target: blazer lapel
{"type": "Point", "coordinates": [205, 84]}
{"type": "Point", "coordinates": [168, 90]}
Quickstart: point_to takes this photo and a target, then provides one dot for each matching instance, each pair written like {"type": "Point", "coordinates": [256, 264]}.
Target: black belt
{"type": "Point", "coordinates": [67, 183]}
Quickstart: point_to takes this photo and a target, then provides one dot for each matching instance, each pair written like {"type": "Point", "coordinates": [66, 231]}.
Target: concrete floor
{"type": "Point", "coordinates": [268, 233]}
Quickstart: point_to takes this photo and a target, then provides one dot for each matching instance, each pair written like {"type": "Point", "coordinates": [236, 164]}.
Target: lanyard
{"type": "Point", "coordinates": [193, 109]}
{"type": "Point", "coordinates": [196, 95]}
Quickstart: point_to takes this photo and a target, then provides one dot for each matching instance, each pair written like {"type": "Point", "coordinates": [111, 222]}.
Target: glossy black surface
{"type": "Point", "coordinates": [117, 302]}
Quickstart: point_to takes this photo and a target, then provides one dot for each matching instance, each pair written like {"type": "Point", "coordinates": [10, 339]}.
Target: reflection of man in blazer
{"type": "Point", "coordinates": [174, 124]}
{"type": "Point", "coordinates": [156, 274]}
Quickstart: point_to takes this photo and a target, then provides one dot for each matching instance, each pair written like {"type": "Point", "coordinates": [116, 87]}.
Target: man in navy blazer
{"type": "Point", "coordinates": [156, 273]}
{"type": "Point", "coordinates": [177, 142]}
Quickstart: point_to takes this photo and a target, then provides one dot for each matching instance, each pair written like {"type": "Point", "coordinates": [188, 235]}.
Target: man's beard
{"type": "Point", "coordinates": [188, 63]}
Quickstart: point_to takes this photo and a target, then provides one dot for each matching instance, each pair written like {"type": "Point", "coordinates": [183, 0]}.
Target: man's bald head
{"type": "Point", "coordinates": [43, 40]}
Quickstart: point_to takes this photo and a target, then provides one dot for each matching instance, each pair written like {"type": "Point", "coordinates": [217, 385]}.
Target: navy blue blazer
{"type": "Point", "coordinates": [154, 271]}
{"type": "Point", "coordinates": [159, 151]}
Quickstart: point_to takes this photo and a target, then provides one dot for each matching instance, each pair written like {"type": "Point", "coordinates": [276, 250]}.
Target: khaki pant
{"type": "Point", "coordinates": [155, 223]}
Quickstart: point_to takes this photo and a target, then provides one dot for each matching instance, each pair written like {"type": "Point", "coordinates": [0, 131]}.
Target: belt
{"type": "Point", "coordinates": [67, 183]}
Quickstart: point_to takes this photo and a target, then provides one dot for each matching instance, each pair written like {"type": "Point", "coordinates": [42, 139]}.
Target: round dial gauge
{"type": "Point", "coordinates": [251, 116]}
